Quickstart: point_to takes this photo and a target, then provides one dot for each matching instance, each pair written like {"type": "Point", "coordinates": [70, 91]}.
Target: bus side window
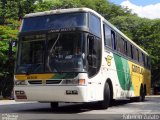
{"type": "Point", "coordinates": [95, 25]}
{"type": "Point", "coordinates": [125, 47]}
{"type": "Point", "coordinates": [107, 36]}
{"type": "Point", "coordinates": [140, 58]}
{"type": "Point", "coordinates": [137, 54]}
{"type": "Point", "coordinates": [119, 42]}
{"type": "Point", "coordinates": [94, 55]}
{"type": "Point", "coordinates": [129, 50]}
{"type": "Point", "coordinates": [113, 38]}
{"type": "Point", "coordinates": [148, 63]}
{"type": "Point", "coordinates": [143, 59]}
{"type": "Point", "coordinates": [131, 47]}
{"type": "Point", "coordinates": [122, 46]}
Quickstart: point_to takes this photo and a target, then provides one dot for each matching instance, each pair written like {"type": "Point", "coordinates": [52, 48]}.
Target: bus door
{"type": "Point", "coordinates": [94, 62]}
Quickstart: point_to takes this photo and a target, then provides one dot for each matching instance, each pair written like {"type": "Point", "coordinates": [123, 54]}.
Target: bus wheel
{"type": "Point", "coordinates": [106, 101]}
{"type": "Point", "coordinates": [54, 105]}
{"type": "Point", "coordinates": [142, 94]}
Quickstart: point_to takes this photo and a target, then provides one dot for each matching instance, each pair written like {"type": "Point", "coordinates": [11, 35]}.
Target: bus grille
{"type": "Point", "coordinates": [36, 82]}
{"type": "Point", "coordinates": [53, 81]}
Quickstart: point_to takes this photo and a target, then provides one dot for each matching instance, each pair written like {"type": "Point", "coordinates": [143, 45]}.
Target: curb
{"type": "Point", "coordinates": [156, 96]}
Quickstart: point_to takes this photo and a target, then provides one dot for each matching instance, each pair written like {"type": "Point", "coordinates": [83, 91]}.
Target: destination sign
{"type": "Point", "coordinates": [34, 37]}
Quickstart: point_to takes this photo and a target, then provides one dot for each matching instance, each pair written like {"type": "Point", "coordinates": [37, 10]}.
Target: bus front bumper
{"type": "Point", "coordinates": [51, 93]}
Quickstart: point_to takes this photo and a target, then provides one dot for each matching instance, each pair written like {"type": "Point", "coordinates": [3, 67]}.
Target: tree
{"type": "Point", "coordinates": [8, 32]}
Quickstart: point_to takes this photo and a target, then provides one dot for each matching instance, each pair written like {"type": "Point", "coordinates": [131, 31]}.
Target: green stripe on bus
{"type": "Point", "coordinates": [64, 75]}
{"type": "Point", "coordinates": [123, 72]}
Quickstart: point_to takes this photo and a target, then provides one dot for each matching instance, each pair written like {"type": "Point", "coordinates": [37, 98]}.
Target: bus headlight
{"type": "Point", "coordinates": [20, 82]}
{"type": "Point", "coordinates": [74, 82]}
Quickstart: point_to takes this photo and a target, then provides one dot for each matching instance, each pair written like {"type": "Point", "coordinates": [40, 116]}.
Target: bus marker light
{"type": "Point", "coordinates": [81, 81]}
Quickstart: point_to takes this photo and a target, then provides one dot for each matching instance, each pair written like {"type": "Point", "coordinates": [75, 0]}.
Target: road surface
{"type": "Point", "coordinates": [122, 109]}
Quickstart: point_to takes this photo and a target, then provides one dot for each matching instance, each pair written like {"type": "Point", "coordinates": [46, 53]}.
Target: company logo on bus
{"type": "Point", "coordinates": [108, 59]}
{"type": "Point", "coordinates": [137, 69]}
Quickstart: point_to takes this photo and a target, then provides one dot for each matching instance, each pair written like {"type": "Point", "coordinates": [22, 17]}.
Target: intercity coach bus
{"type": "Point", "coordinates": [76, 55]}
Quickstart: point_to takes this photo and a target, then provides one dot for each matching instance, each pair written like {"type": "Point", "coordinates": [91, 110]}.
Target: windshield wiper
{"type": "Point", "coordinates": [51, 52]}
{"type": "Point", "coordinates": [29, 70]}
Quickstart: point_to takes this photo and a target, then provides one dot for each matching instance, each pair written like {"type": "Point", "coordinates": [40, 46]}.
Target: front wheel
{"type": "Point", "coordinates": [54, 105]}
{"type": "Point", "coordinates": [106, 101]}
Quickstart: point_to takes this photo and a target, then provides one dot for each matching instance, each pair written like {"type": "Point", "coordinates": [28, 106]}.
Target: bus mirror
{"type": "Point", "coordinates": [14, 43]}
{"type": "Point", "coordinates": [91, 38]}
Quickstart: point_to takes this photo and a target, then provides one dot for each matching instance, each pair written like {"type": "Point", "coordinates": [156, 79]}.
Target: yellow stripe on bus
{"type": "Point", "coordinates": [139, 75]}
{"type": "Point", "coordinates": [34, 77]}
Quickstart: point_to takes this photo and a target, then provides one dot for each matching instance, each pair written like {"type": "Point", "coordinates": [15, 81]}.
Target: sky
{"type": "Point", "coordinates": [143, 8]}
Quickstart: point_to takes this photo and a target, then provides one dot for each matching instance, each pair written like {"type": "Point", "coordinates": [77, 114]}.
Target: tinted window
{"type": "Point", "coordinates": [94, 25]}
{"type": "Point", "coordinates": [137, 54]}
{"type": "Point", "coordinates": [31, 54]}
{"type": "Point", "coordinates": [64, 52]}
{"type": "Point", "coordinates": [113, 38]}
{"type": "Point", "coordinates": [125, 48]}
{"type": "Point", "coordinates": [148, 62]}
{"type": "Point", "coordinates": [143, 59]}
{"type": "Point", "coordinates": [55, 21]}
{"type": "Point", "coordinates": [140, 58]}
{"type": "Point", "coordinates": [131, 47]}
{"type": "Point", "coordinates": [94, 56]}
{"type": "Point", "coordinates": [129, 50]}
{"type": "Point", "coordinates": [120, 45]}
{"type": "Point", "coordinates": [107, 36]}
{"type": "Point", "coordinates": [54, 52]}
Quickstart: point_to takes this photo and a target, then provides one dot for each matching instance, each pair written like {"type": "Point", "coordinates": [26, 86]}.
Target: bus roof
{"type": "Point", "coordinates": [70, 10]}
{"type": "Point", "coordinates": [60, 11]}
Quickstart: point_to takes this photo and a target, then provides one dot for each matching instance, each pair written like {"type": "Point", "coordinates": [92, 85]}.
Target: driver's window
{"type": "Point", "coordinates": [94, 55]}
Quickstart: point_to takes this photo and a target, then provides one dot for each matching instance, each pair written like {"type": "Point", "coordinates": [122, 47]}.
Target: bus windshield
{"type": "Point", "coordinates": [56, 21]}
{"type": "Point", "coordinates": [55, 52]}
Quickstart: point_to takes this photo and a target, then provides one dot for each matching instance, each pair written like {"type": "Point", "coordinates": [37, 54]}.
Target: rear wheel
{"type": "Point", "coordinates": [106, 101]}
{"type": "Point", "coordinates": [54, 105]}
{"type": "Point", "coordinates": [141, 97]}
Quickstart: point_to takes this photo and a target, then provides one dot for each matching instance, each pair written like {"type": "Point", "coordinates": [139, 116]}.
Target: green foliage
{"type": "Point", "coordinates": [108, 10]}
{"type": "Point", "coordinates": [8, 32]}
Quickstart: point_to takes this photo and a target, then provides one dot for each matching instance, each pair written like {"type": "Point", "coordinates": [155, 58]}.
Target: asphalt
{"type": "Point", "coordinates": [6, 102]}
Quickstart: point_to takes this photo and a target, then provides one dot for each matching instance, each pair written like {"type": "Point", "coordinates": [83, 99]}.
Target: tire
{"type": "Point", "coordinates": [141, 96]}
{"type": "Point", "coordinates": [54, 105]}
{"type": "Point", "coordinates": [107, 96]}
{"type": "Point", "coordinates": [145, 90]}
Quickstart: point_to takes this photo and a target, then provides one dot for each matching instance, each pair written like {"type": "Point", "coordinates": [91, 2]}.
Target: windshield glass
{"type": "Point", "coordinates": [65, 53]}
{"type": "Point", "coordinates": [31, 54]}
{"type": "Point", "coordinates": [56, 21]}
{"type": "Point", "coordinates": [55, 52]}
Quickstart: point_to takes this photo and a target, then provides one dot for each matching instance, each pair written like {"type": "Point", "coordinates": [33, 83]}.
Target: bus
{"type": "Point", "coordinates": [76, 55]}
